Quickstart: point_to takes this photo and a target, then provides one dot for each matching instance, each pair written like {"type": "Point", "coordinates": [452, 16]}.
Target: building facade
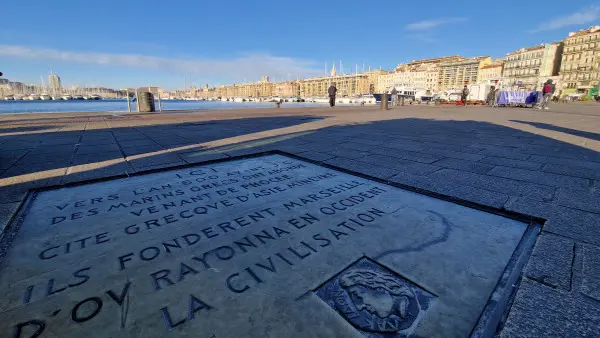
{"type": "Point", "coordinates": [347, 85]}
{"type": "Point", "coordinates": [580, 63]}
{"type": "Point", "coordinates": [54, 83]}
{"type": "Point", "coordinates": [529, 68]}
{"type": "Point", "coordinates": [422, 76]}
{"type": "Point", "coordinates": [286, 89]}
{"type": "Point", "coordinates": [455, 74]}
{"type": "Point", "coordinates": [490, 74]}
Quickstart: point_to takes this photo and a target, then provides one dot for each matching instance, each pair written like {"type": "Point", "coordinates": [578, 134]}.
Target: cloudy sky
{"type": "Point", "coordinates": [171, 43]}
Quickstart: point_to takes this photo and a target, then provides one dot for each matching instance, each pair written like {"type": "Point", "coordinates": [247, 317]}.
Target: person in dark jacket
{"type": "Point", "coordinates": [332, 91]}
{"type": "Point", "coordinates": [464, 94]}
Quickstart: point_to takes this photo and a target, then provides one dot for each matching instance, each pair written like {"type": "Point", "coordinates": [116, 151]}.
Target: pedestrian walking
{"type": "Point", "coordinates": [464, 95]}
{"type": "Point", "coordinates": [394, 94]}
{"type": "Point", "coordinates": [496, 95]}
{"type": "Point", "coordinates": [332, 91]}
{"type": "Point", "coordinates": [547, 91]}
{"type": "Point", "coordinates": [490, 96]}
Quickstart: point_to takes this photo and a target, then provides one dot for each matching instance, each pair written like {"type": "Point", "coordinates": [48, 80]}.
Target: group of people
{"type": "Point", "coordinates": [492, 99]}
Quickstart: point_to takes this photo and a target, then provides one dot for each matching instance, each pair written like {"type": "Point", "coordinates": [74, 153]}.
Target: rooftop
{"type": "Point", "coordinates": [592, 29]}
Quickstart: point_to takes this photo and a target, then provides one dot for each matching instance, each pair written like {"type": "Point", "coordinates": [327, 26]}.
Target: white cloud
{"type": "Point", "coordinates": [429, 24]}
{"type": "Point", "coordinates": [581, 17]}
{"type": "Point", "coordinates": [247, 66]}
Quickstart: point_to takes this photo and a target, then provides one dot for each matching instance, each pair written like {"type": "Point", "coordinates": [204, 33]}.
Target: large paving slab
{"type": "Point", "coordinates": [253, 247]}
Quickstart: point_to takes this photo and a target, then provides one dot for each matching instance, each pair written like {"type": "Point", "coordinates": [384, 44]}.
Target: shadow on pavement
{"type": "Point", "coordinates": [586, 134]}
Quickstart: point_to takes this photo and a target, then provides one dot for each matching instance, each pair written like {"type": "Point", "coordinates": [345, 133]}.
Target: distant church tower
{"type": "Point", "coordinates": [333, 72]}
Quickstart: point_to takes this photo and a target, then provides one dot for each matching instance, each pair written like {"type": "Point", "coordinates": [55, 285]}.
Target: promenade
{"type": "Point", "coordinates": [539, 163]}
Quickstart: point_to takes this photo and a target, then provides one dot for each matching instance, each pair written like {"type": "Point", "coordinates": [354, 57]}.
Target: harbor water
{"type": "Point", "coordinates": [13, 107]}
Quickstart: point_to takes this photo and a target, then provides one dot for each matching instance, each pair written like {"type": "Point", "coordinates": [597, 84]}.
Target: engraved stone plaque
{"type": "Point", "coordinates": [266, 246]}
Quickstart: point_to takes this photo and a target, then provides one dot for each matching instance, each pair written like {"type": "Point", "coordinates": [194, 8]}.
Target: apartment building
{"type": "Point", "coordinates": [455, 74]}
{"type": "Point", "coordinates": [529, 68]}
{"type": "Point", "coordinates": [580, 62]}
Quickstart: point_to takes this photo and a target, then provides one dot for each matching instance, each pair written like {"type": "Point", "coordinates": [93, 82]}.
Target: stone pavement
{"type": "Point", "coordinates": [544, 164]}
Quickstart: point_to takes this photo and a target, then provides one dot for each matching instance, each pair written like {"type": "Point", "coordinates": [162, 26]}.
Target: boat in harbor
{"type": "Point", "coordinates": [9, 98]}
{"type": "Point", "coordinates": [94, 97]}
{"type": "Point", "coordinates": [45, 97]}
{"type": "Point", "coordinates": [67, 97]}
{"type": "Point", "coordinates": [34, 97]}
{"type": "Point", "coordinates": [78, 97]}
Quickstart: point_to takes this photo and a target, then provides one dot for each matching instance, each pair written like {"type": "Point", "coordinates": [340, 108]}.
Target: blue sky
{"type": "Point", "coordinates": [132, 43]}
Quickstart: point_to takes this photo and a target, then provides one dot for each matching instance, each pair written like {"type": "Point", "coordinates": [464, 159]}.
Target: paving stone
{"type": "Point", "coordinates": [7, 210]}
{"type": "Point", "coordinates": [453, 163]}
{"type": "Point", "coordinates": [93, 171]}
{"type": "Point", "coordinates": [540, 311]}
{"type": "Point", "coordinates": [530, 207]}
{"type": "Point", "coordinates": [363, 168]}
{"type": "Point", "coordinates": [316, 156]}
{"type": "Point", "coordinates": [100, 148]}
{"type": "Point", "coordinates": [581, 200]}
{"type": "Point", "coordinates": [467, 193]}
{"type": "Point", "coordinates": [551, 261]}
{"type": "Point", "coordinates": [565, 161]}
{"type": "Point", "coordinates": [137, 143]}
{"type": "Point", "coordinates": [590, 285]}
{"type": "Point", "coordinates": [12, 193]}
{"type": "Point", "coordinates": [62, 140]}
{"type": "Point", "coordinates": [47, 157]}
{"type": "Point", "coordinates": [52, 149]}
{"type": "Point", "coordinates": [454, 154]}
{"type": "Point", "coordinates": [155, 160]}
{"type": "Point", "coordinates": [172, 141]}
{"type": "Point", "coordinates": [405, 145]}
{"type": "Point", "coordinates": [460, 149]}
{"type": "Point", "coordinates": [511, 154]}
{"type": "Point", "coordinates": [507, 162]}
{"type": "Point", "coordinates": [571, 170]}
{"type": "Point", "coordinates": [348, 153]}
{"type": "Point", "coordinates": [16, 145]}
{"type": "Point", "coordinates": [96, 142]}
{"type": "Point", "coordinates": [580, 225]}
{"type": "Point", "coordinates": [130, 137]}
{"type": "Point", "coordinates": [498, 184]}
{"type": "Point", "coordinates": [201, 156]}
{"type": "Point", "coordinates": [96, 157]}
{"type": "Point", "coordinates": [130, 151]}
{"type": "Point", "coordinates": [400, 165]}
{"type": "Point", "coordinates": [358, 146]}
{"type": "Point", "coordinates": [406, 155]}
{"type": "Point", "coordinates": [38, 168]}
{"type": "Point", "coordinates": [541, 177]}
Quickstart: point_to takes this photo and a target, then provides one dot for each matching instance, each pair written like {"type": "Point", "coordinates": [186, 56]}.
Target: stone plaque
{"type": "Point", "coordinates": [269, 246]}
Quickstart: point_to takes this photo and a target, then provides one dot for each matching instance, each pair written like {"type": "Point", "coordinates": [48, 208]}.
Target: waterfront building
{"type": "Point", "coordinates": [431, 61]}
{"type": "Point", "coordinates": [529, 68]}
{"type": "Point", "coordinates": [54, 83]}
{"type": "Point", "coordinates": [286, 89]}
{"type": "Point", "coordinates": [456, 73]}
{"type": "Point", "coordinates": [580, 66]}
{"type": "Point", "coordinates": [492, 73]}
{"type": "Point", "coordinates": [414, 75]}
{"type": "Point", "coordinates": [346, 84]}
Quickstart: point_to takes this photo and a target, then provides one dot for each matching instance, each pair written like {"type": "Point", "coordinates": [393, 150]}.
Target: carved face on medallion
{"type": "Point", "coordinates": [376, 300]}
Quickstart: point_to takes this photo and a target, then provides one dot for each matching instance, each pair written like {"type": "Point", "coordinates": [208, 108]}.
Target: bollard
{"type": "Point", "coordinates": [277, 104]}
{"type": "Point", "coordinates": [384, 102]}
{"type": "Point", "coordinates": [403, 100]}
